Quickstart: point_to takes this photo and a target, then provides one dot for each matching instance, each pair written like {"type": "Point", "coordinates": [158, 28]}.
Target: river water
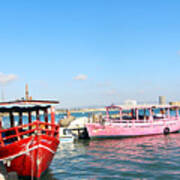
{"type": "Point", "coordinates": [152, 157]}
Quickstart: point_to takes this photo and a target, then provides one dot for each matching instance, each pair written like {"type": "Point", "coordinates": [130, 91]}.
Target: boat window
{"type": "Point", "coordinates": [143, 114]}
{"type": "Point", "coordinates": [25, 119]}
{"type": "Point", "coordinates": [66, 131]}
{"type": "Point", "coordinates": [6, 122]}
{"type": "Point", "coordinates": [173, 112]}
{"type": "Point", "coordinates": [41, 118]}
{"type": "Point", "coordinates": [127, 115]}
{"type": "Point", "coordinates": [114, 114]}
{"type": "Point", "coordinates": [159, 113]}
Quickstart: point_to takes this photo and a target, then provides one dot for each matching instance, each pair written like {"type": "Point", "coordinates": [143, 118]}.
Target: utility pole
{"type": "Point", "coordinates": [27, 92]}
{"type": "Point", "coordinates": [2, 93]}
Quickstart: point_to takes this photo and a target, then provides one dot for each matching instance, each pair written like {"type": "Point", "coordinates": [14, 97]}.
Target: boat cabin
{"type": "Point", "coordinates": [20, 119]}
{"type": "Point", "coordinates": [133, 121]}
{"type": "Point", "coordinates": [139, 114]}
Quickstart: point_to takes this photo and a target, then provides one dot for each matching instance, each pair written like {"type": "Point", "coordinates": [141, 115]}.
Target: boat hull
{"type": "Point", "coordinates": [30, 156]}
{"type": "Point", "coordinates": [118, 130]}
{"type": "Point", "coordinates": [69, 139]}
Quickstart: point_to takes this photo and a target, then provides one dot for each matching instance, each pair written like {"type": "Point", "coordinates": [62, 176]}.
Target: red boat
{"type": "Point", "coordinates": [29, 146]}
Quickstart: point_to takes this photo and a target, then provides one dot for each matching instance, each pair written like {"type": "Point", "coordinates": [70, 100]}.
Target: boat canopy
{"type": "Point", "coordinates": [26, 105]}
{"type": "Point", "coordinates": [128, 107]}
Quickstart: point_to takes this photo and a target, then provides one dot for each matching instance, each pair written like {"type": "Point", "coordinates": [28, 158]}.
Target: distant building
{"type": "Point", "coordinates": [162, 100]}
{"type": "Point", "coordinates": [27, 97]}
{"type": "Point", "coordinates": [26, 92]}
{"type": "Point", "coordinates": [130, 103]}
{"type": "Point", "coordinates": [177, 103]}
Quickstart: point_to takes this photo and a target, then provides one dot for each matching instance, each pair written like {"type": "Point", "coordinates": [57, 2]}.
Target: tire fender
{"type": "Point", "coordinates": [166, 130]}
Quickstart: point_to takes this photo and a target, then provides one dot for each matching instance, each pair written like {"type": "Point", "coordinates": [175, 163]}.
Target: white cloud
{"type": "Point", "coordinates": [7, 78]}
{"type": "Point", "coordinates": [80, 77]}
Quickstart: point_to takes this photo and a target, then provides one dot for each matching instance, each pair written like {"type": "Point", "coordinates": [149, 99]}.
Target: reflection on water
{"type": "Point", "coordinates": [153, 157]}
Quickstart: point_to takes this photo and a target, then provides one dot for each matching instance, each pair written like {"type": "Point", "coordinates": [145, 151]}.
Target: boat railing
{"type": "Point", "coordinates": [7, 136]}
{"type": "Point", "coordinates": [131, 121]}
{"type": "Point", "coordinates": [128, 121]}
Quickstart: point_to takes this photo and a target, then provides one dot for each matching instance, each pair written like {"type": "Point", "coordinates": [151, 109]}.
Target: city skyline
{"type": "Point", "coordinates": [86, 53]}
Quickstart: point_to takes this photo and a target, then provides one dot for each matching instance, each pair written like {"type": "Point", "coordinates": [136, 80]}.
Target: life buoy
{"type": "Point", "coordinates": [166, 130]}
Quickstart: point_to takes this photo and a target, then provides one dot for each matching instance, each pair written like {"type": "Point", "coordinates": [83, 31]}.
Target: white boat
{"type": "Point", "coordinates": [79, 122]}
{"type": "Point", "coordinates": [66, 135]}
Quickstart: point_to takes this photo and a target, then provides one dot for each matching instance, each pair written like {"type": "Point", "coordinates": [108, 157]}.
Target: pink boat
{"type": "Point", "coordinates": [135, 121]}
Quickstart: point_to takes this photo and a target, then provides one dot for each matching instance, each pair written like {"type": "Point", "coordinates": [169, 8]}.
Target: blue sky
{"type": "Point", "coordinates": [93, 52]}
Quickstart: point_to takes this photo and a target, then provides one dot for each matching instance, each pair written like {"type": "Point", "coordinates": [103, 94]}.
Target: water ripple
{"type": "Point", "coordinates": [153, 157]}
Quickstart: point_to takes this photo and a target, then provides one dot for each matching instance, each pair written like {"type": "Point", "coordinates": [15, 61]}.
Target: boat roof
{"type": "Point", "coordinates": [148, 106]}
{"type": "Point", "coordinates": [26, 105]}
